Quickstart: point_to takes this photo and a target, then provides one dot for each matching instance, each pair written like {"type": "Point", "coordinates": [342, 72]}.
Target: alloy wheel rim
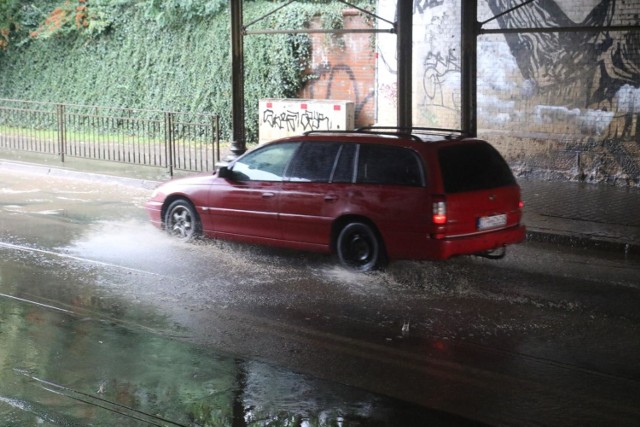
{"type": "Point", "coordinates": [181, 223]}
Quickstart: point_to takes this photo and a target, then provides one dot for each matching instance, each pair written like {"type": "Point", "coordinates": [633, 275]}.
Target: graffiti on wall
{"type": "Point", "coordinates": [439, 74]}
{"type": "Point", "coordinates": [327, 75]}
{"type": "Point", "coordinates": [291, 121]}
{"type": "Point", "coordinates": [576, 93]}
{"type": "Point", "coordinates": [437, 53]}
{"type": "Point", "coordinates": [286, 117]}
{"type": "Point", "coordinates": [419, 6]}
{"type": "Point", "coordinates": [582, 82]}
{"type": "Point", "coordinates": [596, 70]}
{"type": "Point", "coordinates": [285, 120]}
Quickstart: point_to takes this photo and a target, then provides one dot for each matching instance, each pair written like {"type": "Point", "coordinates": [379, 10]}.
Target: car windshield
{"type": "Point", "coordinates": [265, 164]}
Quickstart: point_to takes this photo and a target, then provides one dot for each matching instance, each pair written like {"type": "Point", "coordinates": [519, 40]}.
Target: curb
{"type": "Point", "coordinates": [584, 241]}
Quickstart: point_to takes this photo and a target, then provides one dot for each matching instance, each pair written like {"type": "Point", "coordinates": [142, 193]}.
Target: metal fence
{"type": "Point", "coordinates": [176, 141]}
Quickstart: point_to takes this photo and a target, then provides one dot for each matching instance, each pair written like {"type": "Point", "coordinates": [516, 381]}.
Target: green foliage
{"type": "Point", "coordinates": [9, 21]}
{"type": "Point", "coordinates": [175, 12]}
{"type": "Point", "coordinates": [8, 12]}
{"type": "Point", "coordinates": [158, 54]}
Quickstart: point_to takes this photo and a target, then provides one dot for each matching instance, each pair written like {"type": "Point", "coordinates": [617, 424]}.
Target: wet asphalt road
{"type": "Point", "coordinates": [105, 320]}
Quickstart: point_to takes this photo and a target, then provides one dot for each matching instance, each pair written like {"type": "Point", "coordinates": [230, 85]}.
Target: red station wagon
{"type": "Point", "coordinates": [370, 196]}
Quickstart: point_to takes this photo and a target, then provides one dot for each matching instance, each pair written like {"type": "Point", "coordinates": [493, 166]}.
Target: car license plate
{"type": "Point", "coordinates": [493, 221]}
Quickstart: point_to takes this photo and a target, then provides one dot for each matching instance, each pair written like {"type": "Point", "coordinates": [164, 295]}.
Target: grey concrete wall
{"type": "Point", "coordinates": [562, 106]}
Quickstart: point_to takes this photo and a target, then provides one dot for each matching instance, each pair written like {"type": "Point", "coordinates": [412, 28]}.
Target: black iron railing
{"type": "Point", "coordinates": [176, 141]}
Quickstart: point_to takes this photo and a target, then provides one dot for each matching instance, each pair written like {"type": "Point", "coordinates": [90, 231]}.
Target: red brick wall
{"type": "Point", "coordinates": [344, 66]}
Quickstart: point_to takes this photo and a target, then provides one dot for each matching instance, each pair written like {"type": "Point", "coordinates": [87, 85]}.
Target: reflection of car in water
{"type": "Point", "coordinates": [369, 196]}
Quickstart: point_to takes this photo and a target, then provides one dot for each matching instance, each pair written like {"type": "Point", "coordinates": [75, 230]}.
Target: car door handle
{"type": "Point", "coordinates": [268, 195]}
{"type": "Point", "coordinates": [330, 198]}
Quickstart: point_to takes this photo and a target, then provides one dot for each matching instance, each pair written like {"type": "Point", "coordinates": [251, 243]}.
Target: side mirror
{"type": "Point", "coordinates": [224, 172]}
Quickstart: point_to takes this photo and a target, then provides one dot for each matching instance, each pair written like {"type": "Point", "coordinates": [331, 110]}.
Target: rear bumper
{"type": "Point", "coordinates": [468, 245]}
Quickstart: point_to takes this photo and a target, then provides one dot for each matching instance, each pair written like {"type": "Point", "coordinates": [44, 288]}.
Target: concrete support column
{"type": "Point", "coordinates": [469, 66]}
{"type": "Point", "coordinates": [238, 143]}
{"type": "Point", "coordinates": [404, 28]}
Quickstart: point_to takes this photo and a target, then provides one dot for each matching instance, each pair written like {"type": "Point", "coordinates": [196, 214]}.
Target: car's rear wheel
{"type": "Point", "coordinates": [359, 247]}
{"type": "Point", "coordinates": [182, 220]}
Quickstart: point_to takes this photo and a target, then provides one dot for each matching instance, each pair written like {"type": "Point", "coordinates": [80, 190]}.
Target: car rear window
{"type": "Point", "coordinates": [470, 167]}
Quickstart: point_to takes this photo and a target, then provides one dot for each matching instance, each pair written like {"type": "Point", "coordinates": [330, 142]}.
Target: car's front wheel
{"type": "Point", "coordinates": [359, 247]}
{"type": "Point", "coordinates": [182, 221]}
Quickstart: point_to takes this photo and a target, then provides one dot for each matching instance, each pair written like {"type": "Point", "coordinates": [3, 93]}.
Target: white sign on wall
{"type": "Point", "coordinates": [287, 117]}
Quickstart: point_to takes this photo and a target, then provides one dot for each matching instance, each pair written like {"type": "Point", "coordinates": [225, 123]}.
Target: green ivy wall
{"type": "Point", "coordinates": [150, 54]}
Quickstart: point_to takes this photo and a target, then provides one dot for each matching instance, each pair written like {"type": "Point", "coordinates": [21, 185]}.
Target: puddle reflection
{"type": "Point", "coordinates": [58, 368]}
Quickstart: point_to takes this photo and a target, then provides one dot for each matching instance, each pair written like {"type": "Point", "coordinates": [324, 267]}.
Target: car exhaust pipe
{"type": "Point", "coordinates": [497, 253]}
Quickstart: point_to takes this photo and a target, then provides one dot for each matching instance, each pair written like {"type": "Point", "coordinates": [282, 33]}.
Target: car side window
{"type": "Point", "coordinates": [313, 162]}
{"type": "Point", "coordinates": [381, 164]}
{"type": "Point", "coordinates": [266, 164]}
{"type": "Point", "coordinates": [345, 164]}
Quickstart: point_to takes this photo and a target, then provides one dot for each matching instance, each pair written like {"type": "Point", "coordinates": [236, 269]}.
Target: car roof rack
{"type": "Point", "coordinates": [365, 131]}
{"type": "Point", "coordinates": [415, 130]}
{"type": "Point", "coordinates": [399, 131]}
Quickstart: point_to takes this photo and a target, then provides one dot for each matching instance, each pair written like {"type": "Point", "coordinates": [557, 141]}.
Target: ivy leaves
{"type": "Point", "coordinates": [174, 12]}
{"type": "Point", "coordinates": [159, 54]}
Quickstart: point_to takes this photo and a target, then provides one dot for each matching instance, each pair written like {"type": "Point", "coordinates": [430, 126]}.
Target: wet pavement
{"type": "Point", "coordinates": [58, 367]}
{"type": "Point", "coordinates": [578, 214]}
{"type": "Point", "coordinates": [106, 321]}
{"type": "Point", "coordinates": [601, 216]}
{"type": "Point", "coordinates": [94, 328]}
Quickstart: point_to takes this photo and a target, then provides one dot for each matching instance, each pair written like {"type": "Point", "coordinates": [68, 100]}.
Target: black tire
{"type": "Point", "coordinates": [182, 221]}
{"type": "Point", "coordinates": [360, 248]}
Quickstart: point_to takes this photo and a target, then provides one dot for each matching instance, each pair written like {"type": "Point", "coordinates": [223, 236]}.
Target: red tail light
{"type": "Point", "coordinates": [520, 204]}
{"type": "Point", "coordinates": [439, 217]}
{"type": "Point", "coordinates": [439, 212]}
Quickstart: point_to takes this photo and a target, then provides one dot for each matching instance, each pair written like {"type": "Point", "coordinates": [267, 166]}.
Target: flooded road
{"type": "Point", "coordinates": [105, 320]}
{"type": "Point", "coordinates": [61, 368]}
